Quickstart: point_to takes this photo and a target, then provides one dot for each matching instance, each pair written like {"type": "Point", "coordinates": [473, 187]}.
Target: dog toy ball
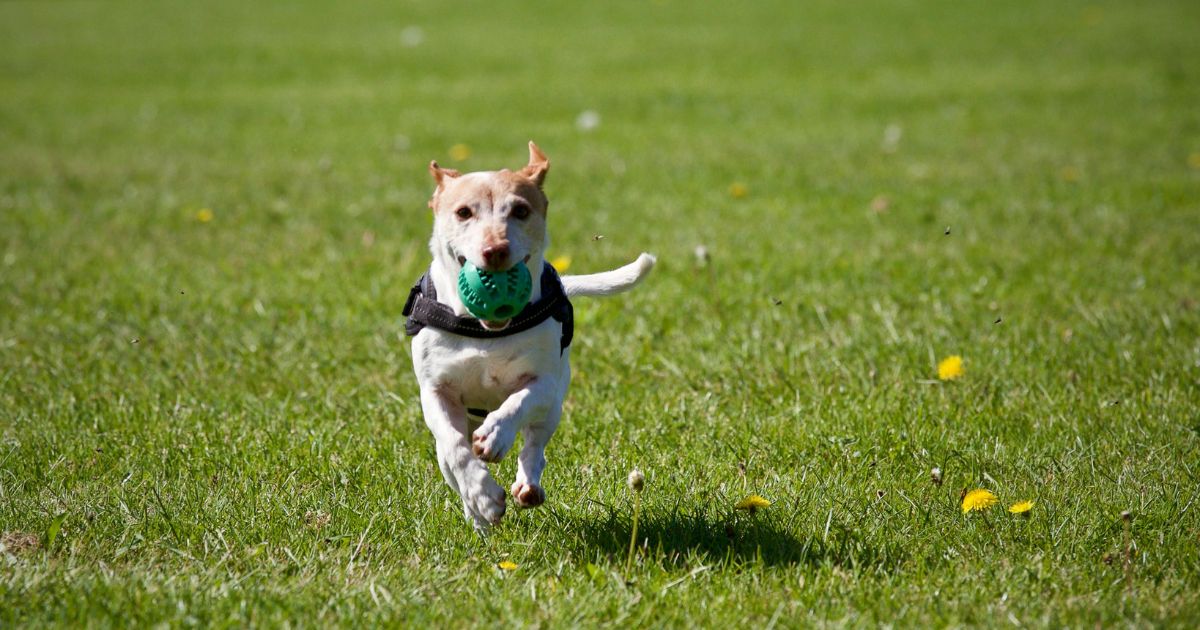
{"type": "Point", "coordinates": [494, 295]}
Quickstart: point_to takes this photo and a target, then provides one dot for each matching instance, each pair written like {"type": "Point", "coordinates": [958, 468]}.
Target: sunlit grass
{"type": "Point", "coordinates": [210, 216]}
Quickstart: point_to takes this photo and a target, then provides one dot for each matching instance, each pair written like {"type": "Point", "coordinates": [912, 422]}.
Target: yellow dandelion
{"type": "Point", "coordinates": [561, 263]}
{"type": "Point", "coordinates": [737, 190]}
{"type": "Point", "coordinates": [507, 565]}
{"type": "Point", "coordinates": [204, 215]}
{"type": "Point", "coordinates": [1194, 160]}
{"type": "Point", "coordinates": [752, 503]}
{"type": "Point", "coordinates": [460, 152]}
{"type": "Point", "coordinates": [1021, 507]}
{"type": "Point", "coordinates": [1069, 173]}
{"type": "Point", "coordinates": [979, 499]}
{"type": "Point", "coordinates": [950, 368]}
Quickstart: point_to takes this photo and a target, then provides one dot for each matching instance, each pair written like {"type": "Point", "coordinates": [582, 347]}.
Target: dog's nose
{"type": "Point", "coordinates": [495, 255]}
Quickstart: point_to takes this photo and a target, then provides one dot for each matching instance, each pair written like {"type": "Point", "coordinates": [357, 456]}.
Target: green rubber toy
{"type": "Point", "coordinates": [494, 296]}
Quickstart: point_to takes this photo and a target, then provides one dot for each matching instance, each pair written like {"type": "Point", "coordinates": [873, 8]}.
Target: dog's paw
{"type": "Point", "coordinates": [528, 495]}
{"type": "Point", "coordinates": [485, 504]}
{"type": "Point", "coordinates": [491, 442]}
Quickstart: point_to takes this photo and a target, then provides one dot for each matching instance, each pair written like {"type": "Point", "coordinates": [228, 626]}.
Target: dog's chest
{"type": "Point", "coordinates": [486, 371]}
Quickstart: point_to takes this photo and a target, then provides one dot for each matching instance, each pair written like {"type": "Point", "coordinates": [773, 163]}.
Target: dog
{"type": "Point", "coordinates": [483, 382]}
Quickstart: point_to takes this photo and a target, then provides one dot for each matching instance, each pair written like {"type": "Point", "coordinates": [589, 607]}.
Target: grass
{"type": "Point", "coordinates": [215, 422]}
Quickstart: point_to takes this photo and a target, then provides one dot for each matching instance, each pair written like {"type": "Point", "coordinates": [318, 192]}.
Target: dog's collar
{"type": "Point", "coordinates": [422, 309]}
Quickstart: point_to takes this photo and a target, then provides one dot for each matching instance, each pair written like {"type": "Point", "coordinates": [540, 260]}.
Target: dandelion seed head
{"type": "Point", "coordinates": [636, 480]}
{"type": "Point", "coordinates": [412, 36]}
{"type": "Point", "coordinates": [891, 137]}
{"type": "Point", "coordinates": [587, 120]}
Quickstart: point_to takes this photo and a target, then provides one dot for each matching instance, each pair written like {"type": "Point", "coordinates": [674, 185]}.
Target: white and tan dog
{"type": "Point", "coordinates": [496, 219]}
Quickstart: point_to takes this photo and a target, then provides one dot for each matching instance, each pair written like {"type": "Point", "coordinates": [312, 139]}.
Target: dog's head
{"type": "Point", "coordinates": [495, 219]}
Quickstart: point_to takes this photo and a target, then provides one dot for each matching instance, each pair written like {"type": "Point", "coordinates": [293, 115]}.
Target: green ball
{"type": "Point", "coordinates": [494, 295]}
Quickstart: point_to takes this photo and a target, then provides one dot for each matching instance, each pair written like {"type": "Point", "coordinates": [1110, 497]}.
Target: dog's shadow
{"type": "Point", "coordinates": [681, 537]}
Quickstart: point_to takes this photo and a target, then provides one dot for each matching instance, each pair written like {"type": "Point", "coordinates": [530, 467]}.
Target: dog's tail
{"type": "Point", "coordinates": [609, 282]}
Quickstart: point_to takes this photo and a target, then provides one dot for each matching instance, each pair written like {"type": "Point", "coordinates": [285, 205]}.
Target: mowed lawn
{"type": "Point", "coordinates": [210, 215]}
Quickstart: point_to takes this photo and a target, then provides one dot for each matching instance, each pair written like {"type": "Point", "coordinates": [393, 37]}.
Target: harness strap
{"type": "Point", "coordinates": [423, 309]}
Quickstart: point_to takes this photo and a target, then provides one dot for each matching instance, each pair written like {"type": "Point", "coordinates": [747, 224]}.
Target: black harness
{"type": "Point", "coordinates": [423, 309]}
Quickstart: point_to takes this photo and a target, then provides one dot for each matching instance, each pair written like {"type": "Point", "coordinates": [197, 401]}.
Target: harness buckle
{"type": "Point", "coordinates": [413, 294]}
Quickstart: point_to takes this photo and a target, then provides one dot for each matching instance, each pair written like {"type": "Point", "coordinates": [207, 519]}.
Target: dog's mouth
{"type": "Point", "coordinates": [495, 326]}
{"type": "Point", "coordinates": [462, 261]}
{"type": "Point", "coordinates": [489, 325]}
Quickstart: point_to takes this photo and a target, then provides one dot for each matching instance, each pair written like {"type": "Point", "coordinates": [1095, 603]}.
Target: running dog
{"type": "Point", "coordinates": [482, 382]}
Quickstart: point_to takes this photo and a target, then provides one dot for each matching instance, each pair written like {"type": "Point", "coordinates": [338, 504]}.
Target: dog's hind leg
{"type": "Point", "coordinates": [444, 460]}
{"type": "Point", "coordinates": [483, 499]}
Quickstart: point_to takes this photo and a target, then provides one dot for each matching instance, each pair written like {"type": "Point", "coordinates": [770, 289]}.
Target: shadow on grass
{"type": "Point", "coordinates": [678, 538]}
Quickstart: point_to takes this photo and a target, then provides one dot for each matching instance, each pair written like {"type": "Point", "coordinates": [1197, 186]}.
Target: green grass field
{"type": "Point", "coordinates": [210, 215]}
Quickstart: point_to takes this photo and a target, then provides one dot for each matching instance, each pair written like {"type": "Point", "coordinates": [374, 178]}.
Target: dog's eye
{"type": "Point", "coordinates": [463, 213]}
{"type": "Point", "coordinates": [520, 211]}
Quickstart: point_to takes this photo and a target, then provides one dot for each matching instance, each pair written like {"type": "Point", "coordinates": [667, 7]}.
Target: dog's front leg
{"type": "Point", "coordinates": [530, 403]}
{"type": "Point", "coordinates": [482, 497]}
{"type": "Point", "coordinates": [531, 461]}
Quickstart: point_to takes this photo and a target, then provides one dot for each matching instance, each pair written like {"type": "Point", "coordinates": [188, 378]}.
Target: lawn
{"type": "Point", "coordinates": [210, 215]}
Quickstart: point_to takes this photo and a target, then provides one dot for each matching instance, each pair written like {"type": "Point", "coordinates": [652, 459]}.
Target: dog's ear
{"type": "Point", "coordinates": [440, 174]}
{"type": "Point", "coordinates": [538, 165]}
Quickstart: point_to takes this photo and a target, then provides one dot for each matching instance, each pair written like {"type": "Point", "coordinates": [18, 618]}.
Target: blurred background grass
{"type": "Point", "coordinates": [210, 214]}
